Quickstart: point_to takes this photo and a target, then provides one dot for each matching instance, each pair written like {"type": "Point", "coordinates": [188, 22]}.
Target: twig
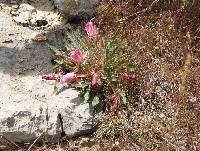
{"type": "Point", "coordinates": [34, 142]}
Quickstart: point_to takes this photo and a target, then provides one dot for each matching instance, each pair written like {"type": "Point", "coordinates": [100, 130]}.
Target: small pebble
{"type": "Point", "coordinates": [38, 37]}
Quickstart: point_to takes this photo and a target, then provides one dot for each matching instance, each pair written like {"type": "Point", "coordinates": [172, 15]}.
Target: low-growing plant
{"type": "Point", "coordinates": [100, 66]}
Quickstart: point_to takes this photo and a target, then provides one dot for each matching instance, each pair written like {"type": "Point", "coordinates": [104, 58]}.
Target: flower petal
{"type": "Point", "coordinates": [77, 56]}
{"type": "Point", "coordinates": [91, 32]}
{"type": "Point", "coordinates": [69, 77]}
{"type": "Point", "coordinates": [115, 102]}
{"type": "Point", "coordinates": [95, 77]}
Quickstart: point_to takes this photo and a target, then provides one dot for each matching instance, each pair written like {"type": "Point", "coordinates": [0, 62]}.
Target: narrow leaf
{"type": "Point", "coordinates": [95, 101]}
{"type": "Point", "coordinates": [86, 96]}
{"type": "Point", "coordinates": [52, 48]}
{"type": "Point", "coordinates": [60, 62]}
{"type": "Point", "coordinates": [113, 78]}
{"type": "Point", "coordinates": [123, 97]}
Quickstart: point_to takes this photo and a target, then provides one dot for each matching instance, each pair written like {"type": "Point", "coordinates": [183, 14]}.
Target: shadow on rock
{"type": "Point", "coordinates": [28, 57]}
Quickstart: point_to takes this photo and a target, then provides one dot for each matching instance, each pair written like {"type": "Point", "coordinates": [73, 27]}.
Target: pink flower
{"type": "Point", "coordinates": [51, 76]}
{"type": "Point", "coordinates": [95, 77]}
{"type": "Point", "coordinates": [91, 32]}
{"type": "Point", "coordinates": [69, 77]}
{"type": "Point", "coordinates": [77, 56]}
{"type": "Point", "coordinates": [115, 102]}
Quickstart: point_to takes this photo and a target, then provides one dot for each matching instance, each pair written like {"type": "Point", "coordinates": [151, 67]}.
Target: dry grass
{"type": "Point", "coordinates": [166, 37]}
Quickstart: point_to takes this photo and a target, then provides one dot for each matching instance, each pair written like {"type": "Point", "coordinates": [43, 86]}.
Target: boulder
{"type": "Point", "coordinates": [74, 8]}
{"type": "Point", "coordinates": [24, 118]}
{"type": "Point", "coordinates": [36, 14]}
{"type": "Point", "coordinates": [29, 108]}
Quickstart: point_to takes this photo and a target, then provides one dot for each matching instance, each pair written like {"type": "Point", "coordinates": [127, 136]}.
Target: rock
{"type": "Point", "coordinates": [15, 7]}
{"type": "Point", "coordinates": [26, 7]}
{"type": "Point", "coordinates": [74, 8]}
{"type": "Point", "coordinates": [28, 107]}
{"type": "Point", "coordinates": [13, 2]}
{"type": "Point", "coordinates": [24, 118]}
{"type": "Point", "coordinates": [23, 14]}
{"type": "Point", "coordinates": [23, 18]}
{"type": "Point", "coordinates": [5, 40]}
{"type": "Point", "coordinates": [33, 15]}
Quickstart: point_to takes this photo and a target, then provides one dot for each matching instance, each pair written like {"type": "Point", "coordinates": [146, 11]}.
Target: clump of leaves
{"type": "Point", "coordinates": [98, 65]}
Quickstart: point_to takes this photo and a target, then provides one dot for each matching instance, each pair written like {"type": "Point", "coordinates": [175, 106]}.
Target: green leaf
{"type": "Point", "coordinates": [75, 85]}
{"type": "Point", "coordinates": [113, 78]}
{"type": "Point", "coordinates": [85, 84]}
{"type": "Point", "coordinates": [114, 42]}
{"type": "Point", "coordinates": [131, 69]}
{"type": "Point", "coordinates": [52, 48]}
{"type": "Point", "coordinates": [69, 64]}
{"type": "Point", "coordinates": [60, 62]}
{"type": "Point", "coordinates": [106, 68]}
{"type": "Point", "coordinates": [75, 40]}
{"type": "Point", "coordinates": [123, 97]}
{"type": "Point", "coordinates": [107, 42]}
{"type": "Point", "coordinates": [104, 55]}
{"type": "Point", "coordinates": [85, 67]}
{"type": "Point", "coordinates": [95, 101]}
{"type": "Point", "coordinates": [86, 96]}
